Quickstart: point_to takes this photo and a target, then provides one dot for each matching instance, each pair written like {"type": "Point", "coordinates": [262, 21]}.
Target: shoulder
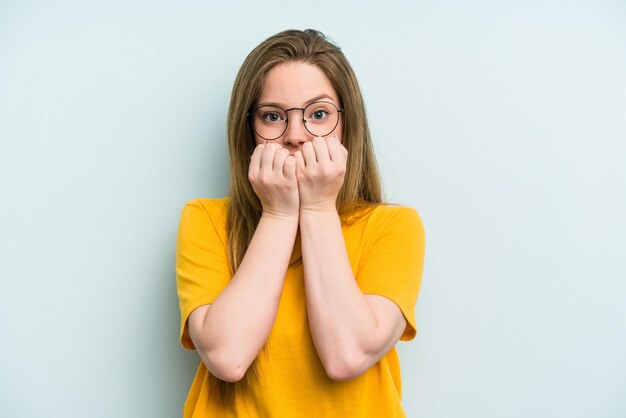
{"type": "Point", "coordinates": [393, 224]}
{"type": "Point", "coordinates": [214, 209]}
{"type": "Point", "coordinates": [204, 216]}
{"type": "Point", "coordinates": [210, 205]}
{"type": "Point", "coordinates": [388, 215]}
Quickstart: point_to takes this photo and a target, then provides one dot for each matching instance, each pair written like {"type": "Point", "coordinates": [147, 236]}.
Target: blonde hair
{"type": "Point", "coordinates": [361, 188]}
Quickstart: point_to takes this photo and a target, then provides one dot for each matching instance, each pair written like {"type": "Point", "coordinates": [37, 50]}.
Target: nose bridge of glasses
{"type": "Point", "coordinates": [294, 108]}
{"type": "Point", "coordinates": [289, 126]}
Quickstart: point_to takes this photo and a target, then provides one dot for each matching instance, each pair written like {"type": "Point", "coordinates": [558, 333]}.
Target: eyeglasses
{"type": "Point", "coordinates": [270, 122]}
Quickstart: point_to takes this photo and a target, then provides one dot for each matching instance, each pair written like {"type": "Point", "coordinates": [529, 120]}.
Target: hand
{"type": "Point", "coordinates": [272, 174]}
{"type": "Point", "coordinates": [321, 167]}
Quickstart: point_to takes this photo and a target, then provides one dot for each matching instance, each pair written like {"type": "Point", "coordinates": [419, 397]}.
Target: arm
{"type": "Point", "coordinates": [229, 333]}
{"type": "Point", "coordinates": [351, 331]}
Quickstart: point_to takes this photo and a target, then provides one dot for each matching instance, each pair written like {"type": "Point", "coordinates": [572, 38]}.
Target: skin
{"type": "Point", "coordinates": [297, 177]}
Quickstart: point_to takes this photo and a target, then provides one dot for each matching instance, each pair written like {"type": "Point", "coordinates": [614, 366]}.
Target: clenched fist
{"type": "Point", "coordinates": [272, 173]}
{"type": "Point", "coordinates": [321, 167]}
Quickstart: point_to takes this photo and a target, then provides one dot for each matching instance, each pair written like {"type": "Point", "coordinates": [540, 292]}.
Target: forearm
{"type": "Point", "coordinates": [236, 325]}
{"type": "Point", "coordinates": [343, 325]}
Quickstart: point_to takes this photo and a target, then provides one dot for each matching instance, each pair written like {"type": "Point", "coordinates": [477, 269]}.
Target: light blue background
{"type": "Point", "coordinates": [502, 122]}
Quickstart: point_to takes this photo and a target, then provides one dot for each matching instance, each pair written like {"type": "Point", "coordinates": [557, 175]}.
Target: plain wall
{"type": "Point", "coordinates": [502, 122]}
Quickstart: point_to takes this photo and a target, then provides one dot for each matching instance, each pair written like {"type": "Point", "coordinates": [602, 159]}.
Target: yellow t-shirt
{"type": "Point", "coordinates": [386, 251]}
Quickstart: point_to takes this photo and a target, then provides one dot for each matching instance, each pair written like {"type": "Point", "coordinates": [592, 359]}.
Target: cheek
{"type": "Point", "coordinates": [339, 130]}
{"type": "Point", "coordinates": [258, 140]}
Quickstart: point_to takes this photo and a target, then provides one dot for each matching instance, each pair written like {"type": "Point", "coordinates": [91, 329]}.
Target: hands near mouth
{"type": "Point", "coordinates": [309, 180]}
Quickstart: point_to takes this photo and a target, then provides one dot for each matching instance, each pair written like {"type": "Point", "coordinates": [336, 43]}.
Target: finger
{"type": "Point", "coordinates": [289, 167]}
{"type": "Point", "coordinates": [279, 161]}
{"type": "Point", "coordinates": [308, 152]}
{"type": "Point", "coordinates": [255, 160]}
{"type": "Point", "coordinates": [267, 158]}
{"type": "Point", "coordinates": [336, 150]}
{"type": "Point", "coordinates": [321, 149]}
{"type": "Point", "coordinates": [300, 164]}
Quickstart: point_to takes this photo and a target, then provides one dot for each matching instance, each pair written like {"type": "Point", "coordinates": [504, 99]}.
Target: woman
{"type": "Point", "coordinates": [295, 289]}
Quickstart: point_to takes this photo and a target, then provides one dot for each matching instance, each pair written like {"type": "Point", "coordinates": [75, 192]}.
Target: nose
{"type": "Point", "coordinates": [296, 134]}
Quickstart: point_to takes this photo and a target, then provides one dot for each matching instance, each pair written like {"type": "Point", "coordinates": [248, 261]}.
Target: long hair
{"type": "Point", "coordinates": [361, 187]}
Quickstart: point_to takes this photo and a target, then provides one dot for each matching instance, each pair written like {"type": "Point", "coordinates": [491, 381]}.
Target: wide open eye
{"type": "Point", "coordinates": [269, 122]}
{"type": "Point", "coordinates": [320, 112]}
{"type": "Point", "coordinates": [269, 115]}
{"type": "Point", "coordinates": [272, 117]}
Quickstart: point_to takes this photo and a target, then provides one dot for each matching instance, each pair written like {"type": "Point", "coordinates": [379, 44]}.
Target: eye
{"type": "Point", "coordinates": [272, 117]}
{"type": "Point", "coordinates": [319, 114]}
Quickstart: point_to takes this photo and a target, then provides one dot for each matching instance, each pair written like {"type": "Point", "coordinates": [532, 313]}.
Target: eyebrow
{"type": "Point", "coordinates": [314, 99]}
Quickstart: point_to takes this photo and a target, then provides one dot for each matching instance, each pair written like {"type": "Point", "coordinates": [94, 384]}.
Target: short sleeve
{"type": "Point", "coordinates": [202, 269]}
{"type": "Point", "coordinates": [393, 260]}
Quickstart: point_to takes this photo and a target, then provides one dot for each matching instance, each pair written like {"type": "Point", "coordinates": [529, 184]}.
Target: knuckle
{"type": "Point", "coordinates": [264, 179]}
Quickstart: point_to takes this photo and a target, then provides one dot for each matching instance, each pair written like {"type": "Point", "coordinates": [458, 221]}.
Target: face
{"type": "Point", "coordinates": [296, 85]}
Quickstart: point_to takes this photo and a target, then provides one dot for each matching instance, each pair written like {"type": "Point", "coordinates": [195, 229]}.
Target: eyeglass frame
{"type": "Point", "coordinates": [251, 113]}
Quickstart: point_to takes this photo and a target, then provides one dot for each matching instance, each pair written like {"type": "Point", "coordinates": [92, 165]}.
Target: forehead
{"type": "Point", "coordinates": [295, 84]}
